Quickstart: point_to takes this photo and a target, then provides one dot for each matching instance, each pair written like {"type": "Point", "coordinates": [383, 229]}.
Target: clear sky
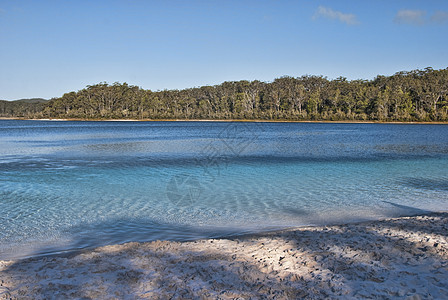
{"type": "Point", "coordinates": [48, 48]}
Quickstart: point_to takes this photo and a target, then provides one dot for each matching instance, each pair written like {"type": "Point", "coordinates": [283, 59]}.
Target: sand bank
{"type": "Point", "coordinates": [238, 120]}
{"type": "Point", "coordinates": [404, 257]}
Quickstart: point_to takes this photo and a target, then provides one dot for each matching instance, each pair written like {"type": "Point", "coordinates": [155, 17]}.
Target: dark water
{"type": "Point", "coordinates": [69, 185]}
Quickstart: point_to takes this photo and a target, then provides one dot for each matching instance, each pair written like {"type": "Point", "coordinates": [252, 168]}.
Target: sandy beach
{"type": "Point", "coordinates": [236, 120]}
{"type": "Point", "coordinates": [404, 257]}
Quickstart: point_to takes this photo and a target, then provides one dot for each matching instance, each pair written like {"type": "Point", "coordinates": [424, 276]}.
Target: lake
{"type": "Point", "coordinates": [69, 185]}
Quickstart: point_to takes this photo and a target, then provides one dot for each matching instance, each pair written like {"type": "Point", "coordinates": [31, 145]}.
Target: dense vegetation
{"type": "Point", "coordinates": [22, 108]}
{"type": "Point", "coordinates": [419, 95]}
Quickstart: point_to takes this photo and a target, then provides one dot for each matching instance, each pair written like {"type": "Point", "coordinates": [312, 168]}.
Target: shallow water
{"type": "Point", "coordinates": [69, 185]}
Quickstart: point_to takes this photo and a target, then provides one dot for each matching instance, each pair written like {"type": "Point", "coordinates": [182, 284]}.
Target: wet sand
{"type": "Point", "coordinates": [395, 258]}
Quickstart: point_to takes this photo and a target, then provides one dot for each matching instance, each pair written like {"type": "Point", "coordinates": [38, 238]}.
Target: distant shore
{"type": "Point", "coordinates": [233, 120]}
{"type": "Point", "coordinates": [403, 257]}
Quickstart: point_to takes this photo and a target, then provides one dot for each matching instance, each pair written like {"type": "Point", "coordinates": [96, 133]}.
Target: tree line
{"type": "Point", "coordinates": [22, 108]}
{"type": "Point", "coordinates": [418, 95]}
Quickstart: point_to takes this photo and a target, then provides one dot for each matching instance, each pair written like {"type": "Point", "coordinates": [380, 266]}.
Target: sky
{"type": "Point", "coordinates": [48, 48]}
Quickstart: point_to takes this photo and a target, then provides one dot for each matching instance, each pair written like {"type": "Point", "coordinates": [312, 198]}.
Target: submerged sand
{"type": "Point", "coordinates": [404, 257]}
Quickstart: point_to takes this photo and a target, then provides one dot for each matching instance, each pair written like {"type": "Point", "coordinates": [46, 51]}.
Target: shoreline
{"type": "Point", "coordinates": [237, 121]}
{"type": "Point", "coordinates": [395, 257]}
{"type": "Point", "coordinates": [70, 252]}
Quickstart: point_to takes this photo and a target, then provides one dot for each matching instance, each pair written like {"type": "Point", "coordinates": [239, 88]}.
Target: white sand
{"type": "Point", "coordinates": [396, 258]}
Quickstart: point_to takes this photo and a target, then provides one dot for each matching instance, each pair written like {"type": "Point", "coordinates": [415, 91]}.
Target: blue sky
{"type": "Point", "coordinates": [48, 48]}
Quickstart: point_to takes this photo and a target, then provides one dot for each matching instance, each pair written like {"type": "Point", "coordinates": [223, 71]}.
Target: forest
{"type": "Point", "coordinates": [418, 95]}
{"type": "Point", "coordinates": [22, 108]}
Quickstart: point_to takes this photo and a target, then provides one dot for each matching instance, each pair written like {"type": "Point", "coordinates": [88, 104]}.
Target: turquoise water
{"type": "Point", "coordinates": [70, 185]}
